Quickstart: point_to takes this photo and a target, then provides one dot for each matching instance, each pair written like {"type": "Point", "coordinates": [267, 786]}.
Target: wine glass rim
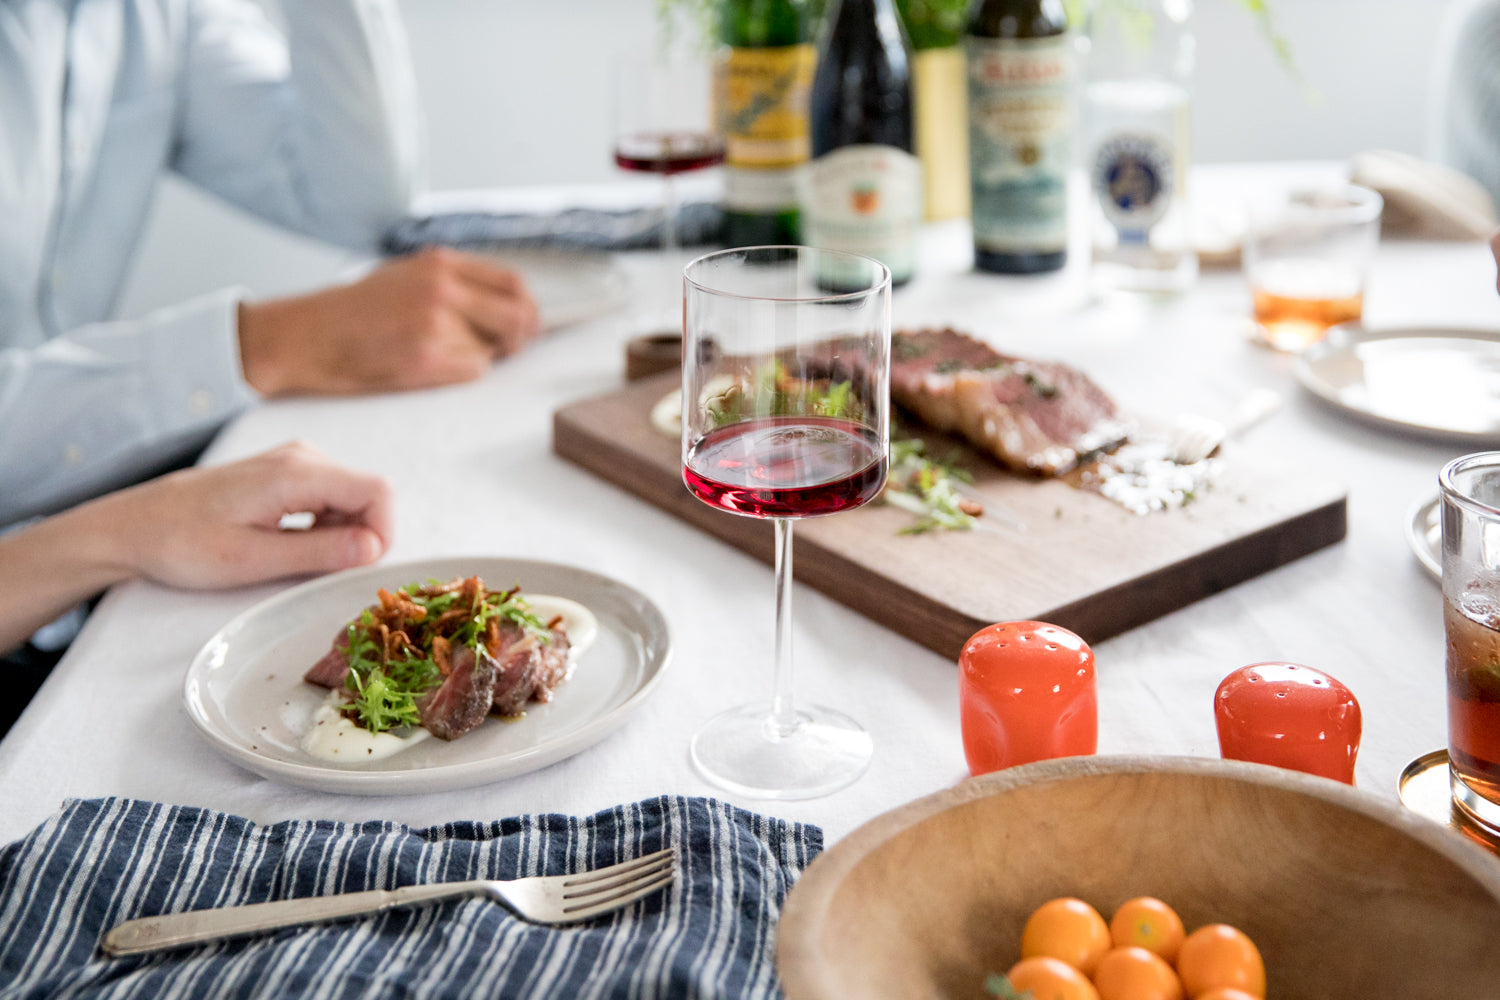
{"type": "Point", "coordinates": [1457, 494]}
{"type": "Point", "coordinates": [883, 273]}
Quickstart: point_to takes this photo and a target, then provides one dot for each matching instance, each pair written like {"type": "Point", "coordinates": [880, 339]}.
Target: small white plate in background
{"type": "Point", "coordinates": [570, 286]}
{"type": "Point", "coordinates": [1432, 381]}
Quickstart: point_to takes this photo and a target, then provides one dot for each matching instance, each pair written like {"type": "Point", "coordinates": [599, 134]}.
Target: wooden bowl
{"type": "Point", "coordinates": [1347, 895]}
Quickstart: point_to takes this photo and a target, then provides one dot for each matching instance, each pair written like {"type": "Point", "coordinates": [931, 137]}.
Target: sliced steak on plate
{"type": "Point", "coordinates": [331, 670]}
{"type": "Point", "coordinates": [463, 699]}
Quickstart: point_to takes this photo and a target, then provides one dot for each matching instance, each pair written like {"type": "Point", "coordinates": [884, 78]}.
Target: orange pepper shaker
{"type": "Point", "coordinates": [1026, 693]}
{"type": "Point", "coordinates": [1289, 716]}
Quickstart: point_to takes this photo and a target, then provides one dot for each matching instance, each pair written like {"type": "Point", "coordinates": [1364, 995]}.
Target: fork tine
{"type": "Point", "coordinates": [621, 898]}
{"type": "Point", "coordinates": [610, 871]}
{"type": "Point", "coordinates": [597, 887]}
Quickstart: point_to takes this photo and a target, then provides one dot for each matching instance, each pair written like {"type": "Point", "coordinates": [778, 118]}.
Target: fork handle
{"type": "Point", "coordinates": [177, 930]}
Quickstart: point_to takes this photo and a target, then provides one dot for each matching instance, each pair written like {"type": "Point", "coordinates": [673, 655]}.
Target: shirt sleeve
{"type": "Point", "coordinates": [317, 129]}
{"type": "Point", "coordinates": [110, 404]}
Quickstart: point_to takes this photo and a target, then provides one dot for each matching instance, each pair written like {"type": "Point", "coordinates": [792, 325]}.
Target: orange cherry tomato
{"type": "Point", "coordinates": [1147, 922]}
{"type": "Point", "coordinates": [1227, 993]}
{"type": "Point", "coordinates": [1050, 979]}
{"type": "Point", "coordinates": [1133, 973]}
{"type": "Point", "coordinates": [1291, 716]}
{"type": "Point", "coordinates": [1026, 693]}
{"type": "Point", "coordinates": [1069, 930]}
{"type": "Point", "coordinates": [1218, 955]}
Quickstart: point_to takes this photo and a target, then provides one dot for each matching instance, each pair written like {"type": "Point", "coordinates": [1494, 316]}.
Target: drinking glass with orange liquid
{"type": "Point", "coordinates": [1470, 490]}
{"type": "Point", "coordinates": [1307, 259]}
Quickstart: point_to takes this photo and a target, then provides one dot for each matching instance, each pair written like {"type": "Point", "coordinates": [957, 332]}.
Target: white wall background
{"type": "Point", "coordinates": [517, 92]}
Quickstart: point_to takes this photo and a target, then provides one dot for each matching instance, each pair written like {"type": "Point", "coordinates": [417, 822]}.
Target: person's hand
{"type": "Point", "coordinates": [435, 317]}
{"type": "Point", "coordinates": [199, 528]}
{"type": "Point", "coordinates": [220, 526]}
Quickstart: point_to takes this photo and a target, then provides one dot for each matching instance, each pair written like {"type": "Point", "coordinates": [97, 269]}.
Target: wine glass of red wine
{"type": "Point", "coordinates": [664, 126]}
{"type": "Point", "coordinates": [785, 415]}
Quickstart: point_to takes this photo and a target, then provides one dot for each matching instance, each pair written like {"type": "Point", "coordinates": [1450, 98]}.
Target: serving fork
{"type": "Point", "coordinates": [542, 899]}
{"type": "Point", "coordinates": [1192, 438]}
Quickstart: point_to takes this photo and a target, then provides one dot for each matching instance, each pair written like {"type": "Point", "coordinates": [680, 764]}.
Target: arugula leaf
{"type": "Point", "coordinates": [382, 702]}
{"type": "Point", "coordinates": [772, 391]}
{"type": "Point", "coordinates": [1000, 986]}
{"type": "Point", "coordinates": [927, 488]}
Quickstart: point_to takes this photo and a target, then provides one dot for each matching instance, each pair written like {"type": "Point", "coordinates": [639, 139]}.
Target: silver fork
{"type": "Point", "coordinates": [1192, 438]}
{"type": "Point", "coordinates": [542, 899]}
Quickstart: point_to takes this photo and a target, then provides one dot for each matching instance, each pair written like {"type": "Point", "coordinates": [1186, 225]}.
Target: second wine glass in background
{"type": "Point", "coordinates": [664, 126]}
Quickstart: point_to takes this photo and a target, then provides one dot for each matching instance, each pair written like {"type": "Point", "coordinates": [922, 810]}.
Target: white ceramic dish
{"type": "Point", "coordinates": [1424, 533]}
{"type": "Point", "coordinates": [1431, 381]}
{"type": "Point", "coordinates": [569, 286]}
{"type": "Point", "coordinates": [244, 690]}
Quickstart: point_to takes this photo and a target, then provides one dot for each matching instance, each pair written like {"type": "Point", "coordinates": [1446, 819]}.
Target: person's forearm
{"type": "Point", "coordinates": [47, 568]}
{"type": "Point", "coordinates": [108, 404]}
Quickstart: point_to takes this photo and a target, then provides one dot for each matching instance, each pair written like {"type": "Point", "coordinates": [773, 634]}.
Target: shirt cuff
{"type": "Point", "coordinates": [194, 360]}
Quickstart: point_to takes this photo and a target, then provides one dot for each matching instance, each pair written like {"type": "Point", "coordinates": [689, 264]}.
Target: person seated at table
{"type": "Point", "coordinates": [314, 128]}
{"type": "Point", "coordinates": [199, 528]}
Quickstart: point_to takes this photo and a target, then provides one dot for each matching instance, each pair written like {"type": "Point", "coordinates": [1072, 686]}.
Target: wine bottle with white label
{"type": "Point", "coordinates": [1021, 123]}
{"type": "Point", "coordinates": [862, 192]}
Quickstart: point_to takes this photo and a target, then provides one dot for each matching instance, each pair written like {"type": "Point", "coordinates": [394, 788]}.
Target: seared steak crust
{"type": "Point", "coordinates": [1038, 417]}
{"type": "Point", "coordinates": [463, 699]}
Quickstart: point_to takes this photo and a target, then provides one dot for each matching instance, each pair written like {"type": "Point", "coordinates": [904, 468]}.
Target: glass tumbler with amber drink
{"type": "Point", "coordinates": [1470, 490]}
{"type": "Point", "coordinates": [1307, 259]}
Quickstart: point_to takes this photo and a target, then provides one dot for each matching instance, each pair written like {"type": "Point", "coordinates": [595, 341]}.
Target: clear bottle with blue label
{"type": "Point", "coordinates": [1137, 125]}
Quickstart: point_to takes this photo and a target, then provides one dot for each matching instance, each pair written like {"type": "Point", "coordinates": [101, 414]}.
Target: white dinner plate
{"type": "Point", "coordinates": [1424, 533]}
{"type": "Point", "coordinates": [245, 693]}
{"type": "Point", "coordinates": [569, 286]}
{"type": "Point", "coordinates": [1432, 381]}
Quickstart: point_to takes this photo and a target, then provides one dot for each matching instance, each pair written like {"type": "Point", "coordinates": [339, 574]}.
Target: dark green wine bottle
{"type": "Point", "coordinates": [863, 189]}
{"type": "Point", "coordinates": [765, 74]}
{"type": "Point", "coordinates": [1021, 123]}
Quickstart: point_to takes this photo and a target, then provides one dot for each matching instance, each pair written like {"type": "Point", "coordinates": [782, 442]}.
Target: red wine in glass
{"type": "Point", "coordinates": [787, 466]}
{"type": "Point", "coordinates": [668, 152]}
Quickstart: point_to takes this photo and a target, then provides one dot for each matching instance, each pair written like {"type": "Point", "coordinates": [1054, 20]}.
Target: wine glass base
{"type": "Point", "coordinates": [742, 750]}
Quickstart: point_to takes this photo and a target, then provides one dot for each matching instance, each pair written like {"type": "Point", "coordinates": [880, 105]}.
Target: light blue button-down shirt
{"type": "Point", "coordinates": [315, 128]}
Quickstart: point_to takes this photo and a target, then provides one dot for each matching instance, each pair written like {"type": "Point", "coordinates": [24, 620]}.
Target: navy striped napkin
{"type": "Point", "coordinates": [101, 861]}
{"type": "Point", "coordinates": [581, 229]}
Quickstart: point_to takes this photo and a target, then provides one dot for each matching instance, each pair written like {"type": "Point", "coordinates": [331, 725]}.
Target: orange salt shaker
{"type": "Point", "coordinates": [1026, 693]}
{"type": "Point", "coordinates": [1291, 716]}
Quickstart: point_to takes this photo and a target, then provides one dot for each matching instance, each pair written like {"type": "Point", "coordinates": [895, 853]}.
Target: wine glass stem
{"type": "Point", "coordinates": [669, 215]}
{"type": "Point", "coordinates": [672, 278]}
{"type": "Point", "coordinates": [783, 711]}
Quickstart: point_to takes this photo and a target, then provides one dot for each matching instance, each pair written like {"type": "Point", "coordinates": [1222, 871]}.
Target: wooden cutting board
{"type": "Point", "coordinates": [1076, 559]}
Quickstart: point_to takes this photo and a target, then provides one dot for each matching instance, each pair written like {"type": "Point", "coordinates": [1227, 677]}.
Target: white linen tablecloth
{"type": "Point", "coordinates": [474, 474]}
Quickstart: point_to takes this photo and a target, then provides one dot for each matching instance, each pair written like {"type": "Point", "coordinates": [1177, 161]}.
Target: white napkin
{"type": "Point", "coordinates": [1425, 199]}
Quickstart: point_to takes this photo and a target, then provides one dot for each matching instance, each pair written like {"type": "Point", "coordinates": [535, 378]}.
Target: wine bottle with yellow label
{"type": "Point", "coordinates": [940, 102]}
{"type": "Point", "coordinates": [764, 75]}
{"type": "Point", "coordinates": [862, 192]}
